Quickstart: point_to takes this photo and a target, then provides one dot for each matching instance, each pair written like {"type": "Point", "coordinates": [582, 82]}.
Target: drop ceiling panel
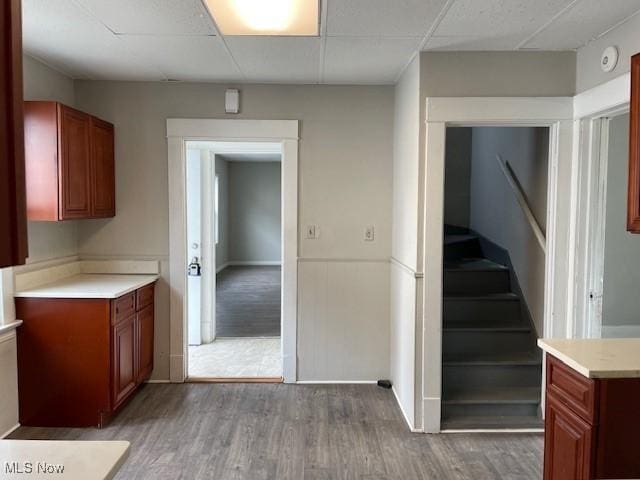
{"type": "Point", "coordinates": [366, 60]}
{"type": "Point", "coordinates": [277, 59]}
{"type": "Point", "coordinates": [185, 58]}
{"type": "Point", "coordinates": [511, 21]}
{"type": "Point", "coordinates": [585, 21]}
{"type": "Point", "coordinates": [460, 43]}
{"type": "Point", "coordinates": [66, 37]}
{"type": "Point", "coordinates": [152, 17]}
{"type": "Point", "coordinates": [381, 17]}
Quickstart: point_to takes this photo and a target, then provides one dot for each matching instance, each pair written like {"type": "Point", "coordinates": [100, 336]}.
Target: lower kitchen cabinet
{"type": "Point", "coordinates": [79, 360]}
{"type": "Point", "coordinates": [592, 425]}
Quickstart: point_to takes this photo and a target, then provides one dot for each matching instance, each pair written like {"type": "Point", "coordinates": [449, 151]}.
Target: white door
{"type": "Point", "coordinates": [194, 242]}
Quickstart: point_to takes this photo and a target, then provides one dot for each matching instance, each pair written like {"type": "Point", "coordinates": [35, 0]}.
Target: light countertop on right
{"type": "Point", "coordinates": [597, 357]}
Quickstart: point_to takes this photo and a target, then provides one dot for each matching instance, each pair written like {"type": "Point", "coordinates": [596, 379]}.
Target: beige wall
{"type": "Point", "coordinates": [49, 240]}
{"type": "Point", "coordinates": [254, 212]}
{"type": "Point", "coordinates": [625, 37]}
{"type": "Point", "coordinates": [345, 184]}
{"type": "Point", "coordinates": [498, 74]}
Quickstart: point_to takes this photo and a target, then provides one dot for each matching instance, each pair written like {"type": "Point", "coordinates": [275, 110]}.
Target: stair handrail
{"type": "Point", "coordinates": [522, 201]}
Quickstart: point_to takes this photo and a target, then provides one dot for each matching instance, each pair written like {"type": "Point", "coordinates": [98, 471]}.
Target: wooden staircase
{"type": "Point", "coordinates": [492, 369]}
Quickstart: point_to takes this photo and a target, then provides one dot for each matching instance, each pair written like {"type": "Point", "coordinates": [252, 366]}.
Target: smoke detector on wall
{"type": "Point", "coordinates": [609, 59]}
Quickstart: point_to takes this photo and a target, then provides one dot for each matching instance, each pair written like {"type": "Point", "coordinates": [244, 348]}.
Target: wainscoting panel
{"type": "Point", "coordinates": [343, 320]}
{"type": "Point", "coordinates": [403, 339]}
{"type": "Point", "coordinates": [8, 383]}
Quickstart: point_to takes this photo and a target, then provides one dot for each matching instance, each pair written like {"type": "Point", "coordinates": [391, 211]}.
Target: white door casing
{"type": "Point", "coordinates": [552, 112]}
{"type": "Point", "coordinates": [179, 131]}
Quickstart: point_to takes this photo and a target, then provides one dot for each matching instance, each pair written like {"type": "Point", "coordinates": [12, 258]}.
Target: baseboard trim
{"type": "Point", "coordinates": [337, 382]}
{"type": "Point", "coordinates": [222, 267]}
{"type": "Point", "coordinates": [10, 431]}
{"type": "Point", "coordinates": [234, 380]}
{"type": "Point", "coordinates": [620, 331]}
{"type": "Point", "coordinates": [254, 264]}
{"type": "Point", "coordinates": [494, 430]}
{"type": "Point", "coordinates": [404, 414]}
{"type": "Point", "coordinates": [158, 381]}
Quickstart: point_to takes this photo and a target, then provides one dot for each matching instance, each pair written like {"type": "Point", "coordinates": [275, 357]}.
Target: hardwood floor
{"type": "Point", "coordinates": [248, 302]}
{"type": "Point", "coordinates": [253, 432]}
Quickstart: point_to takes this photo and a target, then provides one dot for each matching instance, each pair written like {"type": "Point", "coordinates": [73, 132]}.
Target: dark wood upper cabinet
{"type": "Point", "coordinates": [103, 181]}
{"type": "Point", "coordinates": [69, 163]}
{"type": "Point", "coordinates": [13, 219]}
{"type": "Point", "coordinates": [633, 201]}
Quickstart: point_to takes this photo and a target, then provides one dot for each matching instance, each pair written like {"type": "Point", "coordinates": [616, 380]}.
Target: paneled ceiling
{"type": "Point", "coordinates": [361, 41]}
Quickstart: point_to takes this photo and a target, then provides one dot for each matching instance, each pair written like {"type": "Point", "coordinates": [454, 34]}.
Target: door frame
{"type": "Point", "coordinates": [552, 112]}
{"type": "Point", "coordinates": [592, 110]}
{"type": "Point", "coordinates": [180, 131]}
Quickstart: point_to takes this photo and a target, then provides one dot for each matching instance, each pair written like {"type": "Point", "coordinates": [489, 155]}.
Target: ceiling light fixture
{"type": "Point", "coordinates": [266, 17]}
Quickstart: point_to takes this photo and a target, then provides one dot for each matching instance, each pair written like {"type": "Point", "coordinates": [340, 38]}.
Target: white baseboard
{"type": "Point", "coordinates": [337, 382]}
{"type": "Point", "coordinates": [404, 414]}
{"type": "Point", "coordinates": [621, 331]}
{"type": "Point", "coordinates": [222, 267]}
{"type": "Point", "coordinates": [10, 431]}
{"type": "Point", "coordinates": [158, 381]}
{"type": "Point", "coordinates": [255, 263]}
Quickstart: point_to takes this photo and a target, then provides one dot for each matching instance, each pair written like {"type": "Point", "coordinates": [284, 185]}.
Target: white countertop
{"type": "Point", "coordinates": [597, 358]}
{"type": "Point", "coordinates": [79, 460]}
{"type": "Point", "coordinates": [89, 285]}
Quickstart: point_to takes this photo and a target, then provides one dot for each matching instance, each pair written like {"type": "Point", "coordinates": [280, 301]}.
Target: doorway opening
{"type": "Point", "coordinates": [606, 296]}
{"type": "Point", "coordinates": [496, 193]}
{"type": "Point", "coordinates": [234, 248]}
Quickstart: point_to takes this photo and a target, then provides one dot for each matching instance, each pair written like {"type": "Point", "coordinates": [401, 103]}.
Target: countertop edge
{"type": "Point", "coordinates": [581, 369]}
{"type": "Point", "coordinates": [87, 295]}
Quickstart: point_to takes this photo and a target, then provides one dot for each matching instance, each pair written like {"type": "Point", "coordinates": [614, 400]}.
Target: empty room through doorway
{"type": "Point", "coordinates": [234, 191]}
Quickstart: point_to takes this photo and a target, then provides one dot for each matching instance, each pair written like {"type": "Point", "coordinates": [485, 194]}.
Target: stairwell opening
{"type": "Point", "coordinates": [495, 204]}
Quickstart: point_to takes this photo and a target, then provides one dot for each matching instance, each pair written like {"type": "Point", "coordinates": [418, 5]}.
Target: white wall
{"type": "Point", "coordinates": [457, 175]}
{"type": "Point", "coordinates": [406, 153]}
{"type": "Point", "coordinates": [621, 260]}
{"type": "Point", "coordinates": [345, 185]}
{"type": "Point", "coordinates": [495, 212]}
{"type": "Point", "coordinates": [625, 37]}
{"type": "Point", "coordinates": [49, 240]}
{"type": "Point", "coordinates": [222, 248]}
{"type": "Point", "coordinates": [254, 212]}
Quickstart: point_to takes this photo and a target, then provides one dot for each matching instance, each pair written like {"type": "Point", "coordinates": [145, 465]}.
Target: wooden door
{"type": "Point", "coordinates": [568, 442]}
{"type": "Point", "coordinates": [74, 163]}
{"type": "Point", "coordinates": [124, 360]}
{"type": "Point", "coordinates": [13, 216]}
{"type": "Point", "coordinates": [103, 180]}
{"type": "Point", "coordinates": [144, 327]}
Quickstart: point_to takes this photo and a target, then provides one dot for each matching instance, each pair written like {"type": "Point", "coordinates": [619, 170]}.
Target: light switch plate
{"type": "Point", "coordinates": [369, 233]}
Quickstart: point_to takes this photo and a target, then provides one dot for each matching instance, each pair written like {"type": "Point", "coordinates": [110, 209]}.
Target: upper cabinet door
{"type": "Point", "coordinates": [74, 163]}
{"type": "Point", "coordinates": [633, 202]}
{"type": "Point", "coordinates": [13, 216]}
{"type": "Point", "coordinates": [103, 169]}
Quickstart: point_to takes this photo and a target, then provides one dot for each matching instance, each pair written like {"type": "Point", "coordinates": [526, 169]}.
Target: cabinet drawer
{"type": "Point", "coordinates": [572, 389]}
{"type": "Point", "coordinates": [124, 307]}
{"type": "Point", "coordinates": [144, 297]}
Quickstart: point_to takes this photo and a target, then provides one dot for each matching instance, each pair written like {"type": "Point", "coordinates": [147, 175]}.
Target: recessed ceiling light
{"type": "Point", "coordinates": [266, 17]}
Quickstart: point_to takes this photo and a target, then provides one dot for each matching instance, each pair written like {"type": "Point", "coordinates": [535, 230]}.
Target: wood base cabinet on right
{"type": "Point", "coordinates": [592, 426]}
